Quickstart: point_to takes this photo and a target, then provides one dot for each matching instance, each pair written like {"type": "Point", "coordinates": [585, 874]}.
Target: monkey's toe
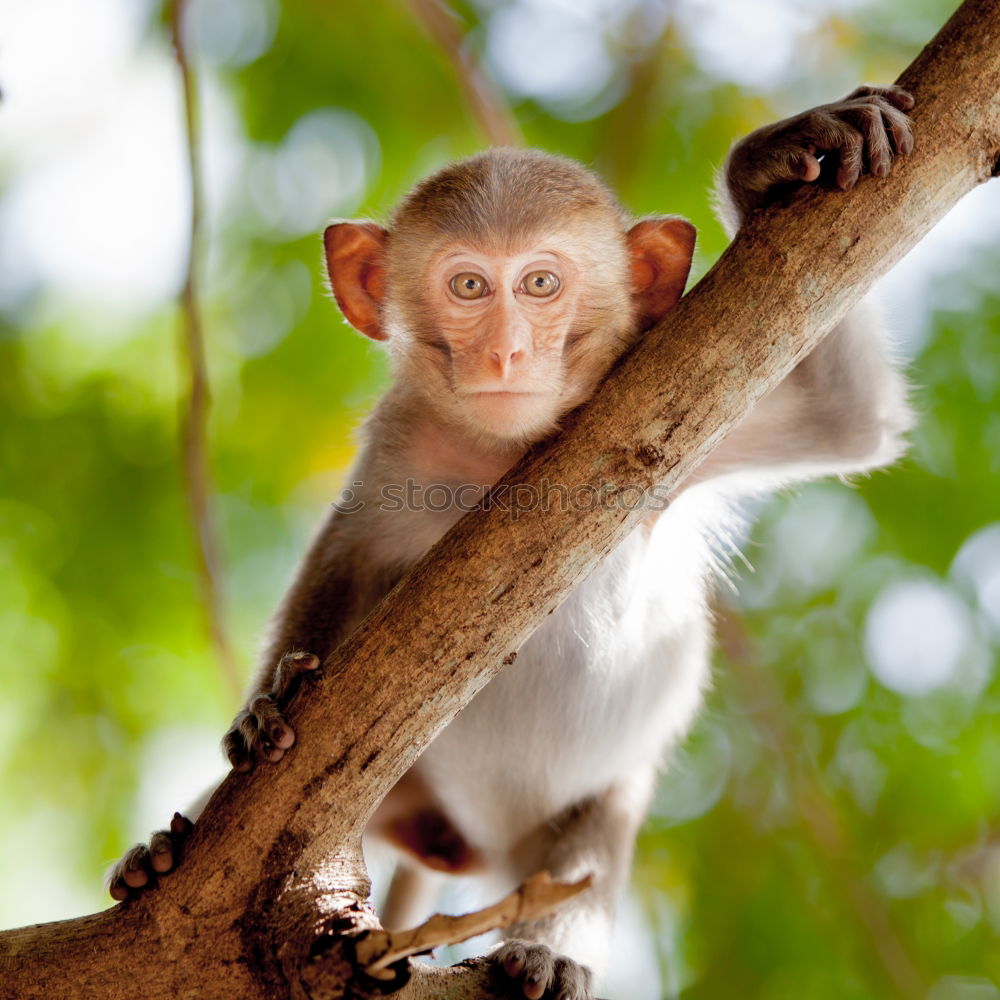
{"type": "Point", "coordinates": [259, 732]}
{"type": "Point", "coordinates": [161, 852]}
{"type": "Point", "coordinates": [897, 96]}
{"type": "Point", "coordinates": [271, 725]}
{"type": "Point", "coordinates": [535, 970]}
{"type": "Point", "coordinates": [290, 667]}
{"type": "Point", "coordinates": [141, 866]}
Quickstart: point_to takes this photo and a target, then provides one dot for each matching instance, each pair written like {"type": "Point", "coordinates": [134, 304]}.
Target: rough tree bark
{"type": "Point", "coordinates": [272, 890]}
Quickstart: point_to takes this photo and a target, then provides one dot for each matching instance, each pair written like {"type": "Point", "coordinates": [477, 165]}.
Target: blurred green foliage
{"type": "Point", "coordinates": [825, 833]}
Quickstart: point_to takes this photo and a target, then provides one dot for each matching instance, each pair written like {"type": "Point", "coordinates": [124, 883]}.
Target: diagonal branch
{"type": "Point", "coordinates": [194, 409]}
{"type": "Point", "coordinates": [271, 893]}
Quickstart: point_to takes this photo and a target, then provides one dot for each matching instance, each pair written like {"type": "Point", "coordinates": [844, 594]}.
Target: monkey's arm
{"type": "Point", "coordinates": [334, 588]}
{"type": "Point", "coordinates": [324, 603]}
{"type": "Point", "coordinates": [843, 409]}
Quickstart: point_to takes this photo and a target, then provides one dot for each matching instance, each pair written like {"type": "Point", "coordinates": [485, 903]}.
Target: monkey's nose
{"type": "Point", "coordinates": [505, 360]}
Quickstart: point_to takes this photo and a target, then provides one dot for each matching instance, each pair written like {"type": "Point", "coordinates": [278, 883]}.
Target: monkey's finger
{"type": "Point", "coordinates": [900, 129]}
{"type": "Point", "coordinates": [532, 989]}
{"type": "Point", "coordinates": [180, 826]}
{"type": "Point", "coordinates": [263, 750]}
{"type": "Point", "coordinates": [572, 981]}
{"type": "Point", "coordinates": [234, 746]}
{"type": "Point", "coordinates": [514, 958]}
{"type": "Point", "coordinates": [131, 872]}
{"type": "Point", "coordinates": [876, 141]}
{"type": "Point", "coordinates": [290, 667]}
{"type": "Point", "coordinates": [539, 972]}
{"type": "Point", "coordinates": [165, 845]}
{"type": "Point", "coordinates": [789, 160]}
{"type": "Point", "coordinates": [267, 751]}
{"type": "Point", "coordinates": [851, 159]}
{"type": "Point", "coordinates": [896, 96]}
{"type": "Point", "coordinates": [161, 852]}
{"type": "Point", "coordinates": [809, 168]}
{"type": "Point", "coordinates": [270, 722]}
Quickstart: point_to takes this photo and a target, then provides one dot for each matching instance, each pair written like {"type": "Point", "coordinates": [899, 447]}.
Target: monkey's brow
{"type": "Point", "coordinates": [526, 251]}
{"type": "Point", "coordinates": [463, 252]}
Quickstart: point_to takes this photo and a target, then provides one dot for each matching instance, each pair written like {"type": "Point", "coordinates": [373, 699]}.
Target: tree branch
{"type": "Point", "coordinates": [271, 897]}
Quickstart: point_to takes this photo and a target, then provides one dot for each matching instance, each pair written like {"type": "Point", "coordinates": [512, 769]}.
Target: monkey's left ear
{"type": "Point", "coordinates": [660, 249]}
{"type": "Point", "coordinates": [355, 262]}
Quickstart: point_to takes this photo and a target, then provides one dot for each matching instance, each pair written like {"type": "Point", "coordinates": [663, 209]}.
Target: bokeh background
{"type": "Point", "coordinates": [831, 828]}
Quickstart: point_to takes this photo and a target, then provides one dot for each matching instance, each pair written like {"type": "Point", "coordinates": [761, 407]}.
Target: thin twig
{"type": "Point", "coordinates": [535, 897]}
{"type": "Point", "coordinates": [195, 405]}
{"type": "Point", "coordinates": [482, 95]}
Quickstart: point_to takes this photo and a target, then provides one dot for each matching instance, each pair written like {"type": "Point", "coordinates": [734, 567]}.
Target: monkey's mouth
{"type": "Point", "coordinates": [503, 393]}
{"type": "Point", "coordinates": [514, 412]}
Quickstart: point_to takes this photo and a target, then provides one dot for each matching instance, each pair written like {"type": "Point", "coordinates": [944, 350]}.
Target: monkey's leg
{"type": "Point", "coordinates": [141, 866]}
{"type": "Point", "coordinates": [411, 897]}
{"type": "Point", "coordinates": [559, 955]}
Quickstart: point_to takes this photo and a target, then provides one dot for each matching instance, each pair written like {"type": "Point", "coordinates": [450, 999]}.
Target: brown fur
{"type": "Point", "coordinates": [520, 780]}
{"type": "Point", "coordinates": [501, 197]}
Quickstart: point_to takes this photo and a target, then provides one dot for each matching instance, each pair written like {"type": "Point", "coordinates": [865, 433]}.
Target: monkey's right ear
{"type": "Point", "coordinates": [355, 262]}
{"type": "Point", "coordinates": [660, 248]}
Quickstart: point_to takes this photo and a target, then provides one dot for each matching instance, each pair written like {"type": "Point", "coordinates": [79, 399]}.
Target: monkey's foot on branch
{"type": "Point", "coordinates": [536, 970]}
{"type": "Point", "coordinates": [535, 897]}
{"type": "Point", "coordinates": [141, 866]}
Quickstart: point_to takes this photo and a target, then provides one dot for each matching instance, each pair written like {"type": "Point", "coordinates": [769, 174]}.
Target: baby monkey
{"type": "Point", "coordinates": [504, 288]}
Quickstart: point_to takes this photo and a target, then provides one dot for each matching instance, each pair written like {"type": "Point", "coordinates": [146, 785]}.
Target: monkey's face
{"type": "Point", "coordinates": [507, 287]}
{"type": "Point", "coordinates": [509, 341]}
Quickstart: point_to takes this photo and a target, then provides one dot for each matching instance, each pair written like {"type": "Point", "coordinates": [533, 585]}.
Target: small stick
{"type": "Point", "coordinates": [534, 898]}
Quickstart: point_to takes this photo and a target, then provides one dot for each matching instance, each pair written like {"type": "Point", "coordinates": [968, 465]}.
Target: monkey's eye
{"type": "Point", "coordinates": [541, 284]}
{"type": "Point", "coordinates": [468, 285]}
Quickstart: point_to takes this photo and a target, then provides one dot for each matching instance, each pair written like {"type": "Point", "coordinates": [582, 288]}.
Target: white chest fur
{"type": "Point", "coordinates": [608, 682]}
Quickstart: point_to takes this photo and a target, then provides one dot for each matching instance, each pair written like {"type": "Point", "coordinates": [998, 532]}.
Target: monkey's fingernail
{"type": "Point", "coordinates": [242, 765]}
{"type": "Point", "coordinates": [282, 736]}
{"type": "Point", "coordinates": [136, 879]}
{"type": "Point", "coordinates": [275, 754]}
{"type": "Point", "coordinates": [162, 861]}
{"type": "Point", "coordinates": [180, 824]}
{"type": "Point", "coordinates": [808, 168]}
{"type": "Point", "coordinates": [119, 892]}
